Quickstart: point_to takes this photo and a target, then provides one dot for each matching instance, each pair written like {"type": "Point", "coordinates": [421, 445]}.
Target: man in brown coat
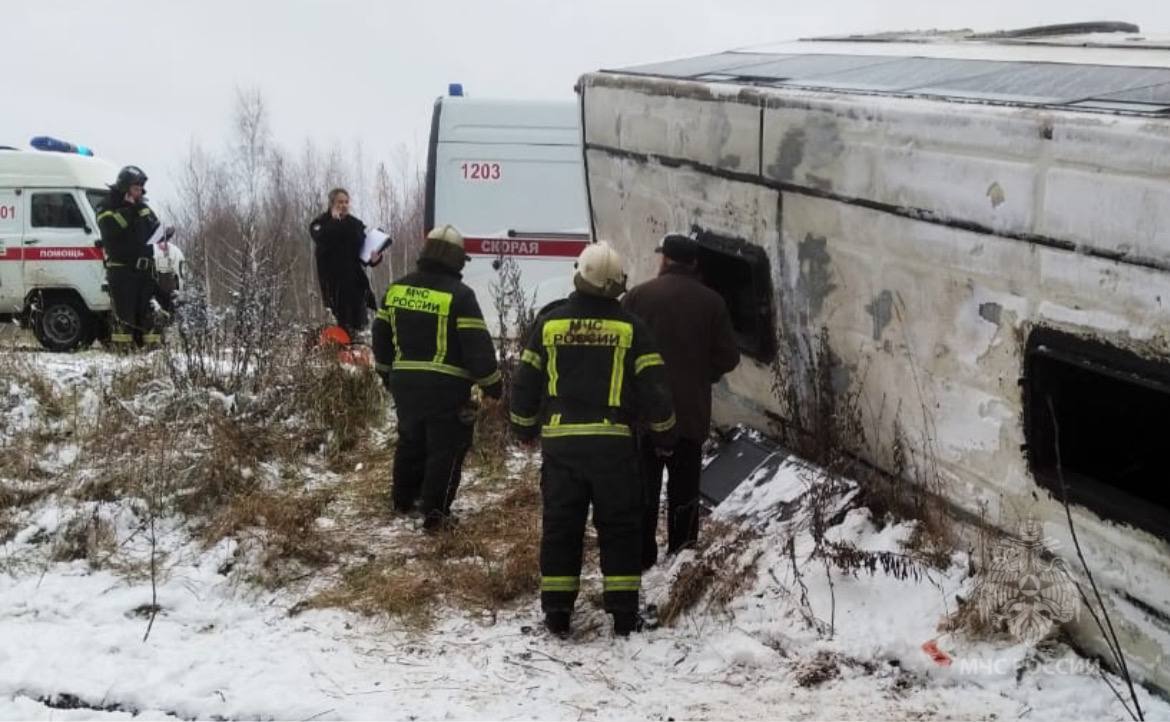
{"type": "Point", "coordinates": [693, 329]}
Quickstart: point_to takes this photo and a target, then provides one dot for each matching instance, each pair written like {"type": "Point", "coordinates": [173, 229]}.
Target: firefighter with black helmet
{"type": "Point", "coordinates": [590, 374]}
{"type": "Point", "coordinates": [430, 346]}
{"type": "Point", "coordinates": [126, 224]}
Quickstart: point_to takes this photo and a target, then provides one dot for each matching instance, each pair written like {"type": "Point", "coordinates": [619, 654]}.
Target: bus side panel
{"type": "Point", "coordinates": [926, 318]}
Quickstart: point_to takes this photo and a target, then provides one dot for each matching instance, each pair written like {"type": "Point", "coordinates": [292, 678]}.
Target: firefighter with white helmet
{"type": "Point", "coordinates": [590, 375]}
{"type": "Point", "coordinates": [430, 346]}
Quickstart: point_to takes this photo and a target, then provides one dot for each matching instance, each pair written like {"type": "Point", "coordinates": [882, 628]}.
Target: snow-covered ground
{"type": "Point", "coordinates": [72, 637]}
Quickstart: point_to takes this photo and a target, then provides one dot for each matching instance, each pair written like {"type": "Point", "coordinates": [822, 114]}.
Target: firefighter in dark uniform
{"type": "Point", "coordinates": [430, 345]}
{"type": "Point", "coordinates": [589, 376]}
{"type": "Point", "coordinates": [126, 224]}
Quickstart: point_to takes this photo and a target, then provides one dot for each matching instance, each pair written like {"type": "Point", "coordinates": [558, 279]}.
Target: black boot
{"type": "Point", "coordinates": [557, 623]}
{"type": "Point", "coordinates": [437, 521]}
{"type": "Point", "coordinates": [626, 622]}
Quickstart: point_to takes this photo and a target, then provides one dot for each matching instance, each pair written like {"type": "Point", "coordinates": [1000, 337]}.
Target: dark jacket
{"type": "Point", "coordinates": [125, 229]}
{"type": "Point", "coordinates": [430, 331]}
{"type": "Point", "coordinates": [692, 326]}
{"type": "Point", "coordinates": [337, 246]}
{"type": "Point", "coordinates": [591, 369]}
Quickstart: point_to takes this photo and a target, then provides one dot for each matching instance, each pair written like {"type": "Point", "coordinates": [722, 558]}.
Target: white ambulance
{"type": "Point", "coordinates": [508, 175]}
{"type": "Point", "coordinates": [51, 274]}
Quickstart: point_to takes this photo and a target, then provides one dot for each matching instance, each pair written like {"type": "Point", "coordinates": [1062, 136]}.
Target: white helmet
{"type": "Point", "coordinates": [446, 232]}
{"type": "Point", "coordinates": [599, 271]}
{"type": "Point", "coordinates": [444, 245]}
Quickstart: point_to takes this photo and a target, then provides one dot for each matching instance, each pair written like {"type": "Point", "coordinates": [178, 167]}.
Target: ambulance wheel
{"type": "Point", "coordinates": [63, 324]}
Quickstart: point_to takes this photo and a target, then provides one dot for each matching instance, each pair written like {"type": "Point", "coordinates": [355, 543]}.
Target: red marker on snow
{"type": "Point", "coordinates": [940, 657]}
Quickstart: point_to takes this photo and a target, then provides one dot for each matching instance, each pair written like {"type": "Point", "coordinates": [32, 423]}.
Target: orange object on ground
{"type": "Point", "coordinates": [348, 352]}
{"type": "Point", "coordinates": [940, 657]}
{"type": "Point", "coordinates": [334, 336]}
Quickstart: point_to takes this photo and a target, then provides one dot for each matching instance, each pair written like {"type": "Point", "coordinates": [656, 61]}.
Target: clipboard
{"type": "Point", "coordinates": [376, 241]}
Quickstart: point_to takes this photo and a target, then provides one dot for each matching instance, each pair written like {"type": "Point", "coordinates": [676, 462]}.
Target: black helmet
{"type": "Point", "coordinates": [131, 175]}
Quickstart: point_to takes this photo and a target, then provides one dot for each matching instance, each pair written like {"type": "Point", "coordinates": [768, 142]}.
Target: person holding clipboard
{"type": "Point", "coordinates": [343, 247]}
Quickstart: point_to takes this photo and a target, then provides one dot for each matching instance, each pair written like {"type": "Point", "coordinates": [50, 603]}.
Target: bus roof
{"type": "Point", "coordinates": [1119, 71]}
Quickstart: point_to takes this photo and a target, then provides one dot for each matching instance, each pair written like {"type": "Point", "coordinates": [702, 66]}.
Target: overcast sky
{"type": "Point", "coordinates": [139, 80]}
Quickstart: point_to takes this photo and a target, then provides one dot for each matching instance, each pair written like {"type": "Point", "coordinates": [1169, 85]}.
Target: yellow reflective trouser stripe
{"type": "Point", "coordinates": [441, 339]}
{"type": "Point", "coordinates": [664, 425]}
{"type": "Point", "coordinates": [152, 338]}
{"type": "Point", "coordinates": [560, 584]}
{"type": "Point", "coordinates": [115, 264]}
{"type": "Point", "coordinates": [532, 358]}
{"type": "Point", "coordinates": [622, 584]}
{"type": "Point", "coordinates": [522, 420]}
{"type": "Point", "coordinates": [116, 216]}
{"type": "Point", "coordinates": [551, 431]}
{"type": "Point", "coordinates": [394, 333]}
{"type": "Point", "coordinates": [400, 365]}
{"type": "Point", "coordinates": [617, 376]}
{"type": "Point", "coordinates": [490, 379]}
{"type": "Point", "coordinates": [121, 338]}
{"type": "Point", "coordinates": [552, 371]}
{"type": "Point", "coordinates": [471, 323]}
{"type": "Point", "coordinates": [644, 362]}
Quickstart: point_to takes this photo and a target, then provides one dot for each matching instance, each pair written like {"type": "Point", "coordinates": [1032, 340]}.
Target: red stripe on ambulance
{"type": "Point", "coordinates": [63, 253]}
{"type": "Point", "coordinates": [525, 247]}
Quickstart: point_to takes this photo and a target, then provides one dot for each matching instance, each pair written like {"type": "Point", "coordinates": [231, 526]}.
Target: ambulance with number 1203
{"type": "Point", "coordinates": [508, 174]}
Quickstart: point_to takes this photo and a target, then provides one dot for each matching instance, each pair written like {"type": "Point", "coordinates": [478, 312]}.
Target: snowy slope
{"type": "Point", "coordinates": [223, 649]}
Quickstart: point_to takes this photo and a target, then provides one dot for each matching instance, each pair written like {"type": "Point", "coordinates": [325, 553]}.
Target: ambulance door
{"type": "Point", "coordinates": [58, 242]}
{"type": "Point", "coordinates": [11, 231]}
{"type": "Point", "coordinates": [508, 175]}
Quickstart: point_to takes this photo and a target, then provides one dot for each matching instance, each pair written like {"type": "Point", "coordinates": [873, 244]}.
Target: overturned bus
{"type": "Point", "coordinates": [967, 237]}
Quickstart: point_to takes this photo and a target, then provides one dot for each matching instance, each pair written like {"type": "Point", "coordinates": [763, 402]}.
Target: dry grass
{"type": "Point", "coordinates": [265, 469]}
{"type": "Point", "coordinates": [85, 536]}
{"type": "Point", "coordinates": [339, 402]}
{"type": "Point", "coordinates": [717, 574]}
{"type": "Point", "coordinates": [390, 587]}
{"type": "Point", "coordinates": [968, 622]}
{"type": "Point", "coordinates": [488, 561]}
{"type": "Point", "coordinates": [283, 524]}
{"type": "Point", "coordinates": [823, 667]}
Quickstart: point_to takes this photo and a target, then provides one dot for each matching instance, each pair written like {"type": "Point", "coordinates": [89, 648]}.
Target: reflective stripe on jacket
{"type": "Point", "coordinates": [591, 369]}
{"type": "Point", "coordinates": [125, 229]}
{"type": "Point", "coordinates": [430, 322]}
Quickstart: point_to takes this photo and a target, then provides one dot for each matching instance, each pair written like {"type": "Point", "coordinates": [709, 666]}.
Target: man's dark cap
{"type": "Point", "coordinates": [678, 247]}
